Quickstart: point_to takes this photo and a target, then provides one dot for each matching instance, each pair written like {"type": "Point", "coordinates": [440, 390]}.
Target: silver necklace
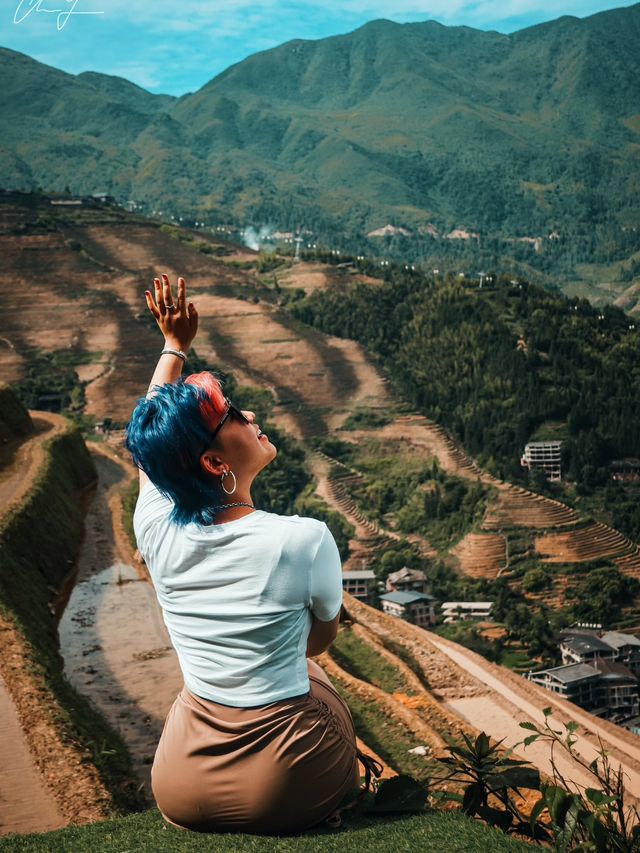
{"type": "Point", "coordinates": [225, 506]}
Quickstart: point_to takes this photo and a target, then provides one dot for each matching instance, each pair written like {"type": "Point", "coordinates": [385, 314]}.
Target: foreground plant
{"type": "Point", "coordinates": [595, 819]}
{"type": "Point", "coordinates": [491, 782]}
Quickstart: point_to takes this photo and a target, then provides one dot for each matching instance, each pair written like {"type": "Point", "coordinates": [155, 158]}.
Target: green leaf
{"type": "Point", "coordinates": [547, 711]}
{"type": "Point", "coordinates": [522, 777]}
{"type": "Point", "coordinates": [401, 793]}
{"type": "Point", "coordinates": [483, 747]}
{"type": "Point", "coordinates": [598, 797]}
{"type": "Point", "coordinates": [530, 726]}
{"type": "Point", "coordinates": [570, 826]}
{"type": "Point", "coordinates": [495, 817]}
{"type": "Point", "coordinates": [599, 833]}
{"type": "Point", "coordinates": [558, 802]}
{"type": "Point", "coordinates": [536, 811]}
{"type": "Point", "coordinates": [529, 740]}
{"type": "Point", "coordinates": [442, 796]}
{"type": "Point", "coordinates": [571, 726]}
{"type": "Point", "coordinates": [472, 798]}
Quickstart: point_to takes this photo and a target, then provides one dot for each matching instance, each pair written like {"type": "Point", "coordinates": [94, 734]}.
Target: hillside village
{"type": "Point", "coordinates": [465, 692]}
{"type": "Point", "coordinates": [414, 252]}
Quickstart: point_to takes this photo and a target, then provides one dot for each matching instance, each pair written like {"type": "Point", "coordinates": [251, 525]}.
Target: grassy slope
{"type": "Point", "coordinates": [14, 418]}
{"type": "Point", "coordinates": [434, 832]}
{"type": "Point", "coordinates": [39, 541]}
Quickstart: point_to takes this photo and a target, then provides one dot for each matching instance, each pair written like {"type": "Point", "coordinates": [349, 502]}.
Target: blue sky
{"type": "Point", "coordinates": [177, 47]}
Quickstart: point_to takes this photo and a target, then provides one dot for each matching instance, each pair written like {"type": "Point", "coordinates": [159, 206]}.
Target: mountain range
{"type": "Point", "coordinates": [435, 130]}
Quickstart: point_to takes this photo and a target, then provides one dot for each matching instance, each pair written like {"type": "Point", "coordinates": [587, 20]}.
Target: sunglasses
{"type": "Point", "coordinates": [230, 410]}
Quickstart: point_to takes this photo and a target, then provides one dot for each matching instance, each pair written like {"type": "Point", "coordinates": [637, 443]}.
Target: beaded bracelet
{"type": "Point", "coordinates": [177, 352]}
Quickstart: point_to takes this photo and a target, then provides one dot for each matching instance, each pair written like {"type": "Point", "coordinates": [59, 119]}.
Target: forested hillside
{"type": "Point", "coordinates": [476, 147]}
{"type": "Point", "coordinates": [500, 365]}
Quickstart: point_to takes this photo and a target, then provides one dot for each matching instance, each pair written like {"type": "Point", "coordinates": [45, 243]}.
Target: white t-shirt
{"type": "Point", "coordinates": [237, 597]}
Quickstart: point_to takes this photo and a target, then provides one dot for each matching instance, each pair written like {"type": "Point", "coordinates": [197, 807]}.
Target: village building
{"type": "Point", "coordinates": [625, 470]}
{"type": "Point", "coordinates": [627, 649]}
{"type": "Point", "coordinates": [618, 689]}
{"type": "Point", "coordinates": [407, 580]}
{"type": "Point", "coordinates": [544, 455]}
{"type": "Point", "coordinates": [577, 682]}
{"type": "Point", "coordinates": [461, 611]}
{"type": "Point", "coordinates": [584, 648]}
{"type": "Point", "coordinates": [359, 583]}
{"type": "Point", "coordinates": [415, 607]}
{"type": "Point", "coordinates": [604, 687]}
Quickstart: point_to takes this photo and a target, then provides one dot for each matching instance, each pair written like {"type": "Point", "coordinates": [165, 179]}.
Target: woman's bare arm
{"type": "Point", "coordinates": [321, 635]}
{"type": "Point", "coordinates": [179, 329]}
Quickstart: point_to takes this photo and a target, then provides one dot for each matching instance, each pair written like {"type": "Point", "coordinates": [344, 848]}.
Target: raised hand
{"type": "Point", "coordinates": [178, 321]}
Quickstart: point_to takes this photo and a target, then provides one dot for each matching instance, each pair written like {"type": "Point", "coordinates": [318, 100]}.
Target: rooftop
{"type": "Point", "coordinates": [553, 444]}
{"type": "Point", "coordinates": [613, 671]}
{"type": "Point", "coordinates": [585, 643]}
{"type": "Point", "coordinates": [616, 639]}
{"type": "Point", "coordinates": [570, 673]}
{"type": "Point", "coordinates": [359, 574]}
{"type": "Point", "coordinates": [405, 573]}
{"type": "Point", "coordinates": [406, 597]}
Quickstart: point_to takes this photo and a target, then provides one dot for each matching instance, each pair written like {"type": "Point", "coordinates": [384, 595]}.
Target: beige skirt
{"type": "Point", "coordinates": [271, 769]}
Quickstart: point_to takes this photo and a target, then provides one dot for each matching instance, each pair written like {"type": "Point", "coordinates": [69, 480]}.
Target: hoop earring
{"type": "Point", "coordinates": [234, 482]}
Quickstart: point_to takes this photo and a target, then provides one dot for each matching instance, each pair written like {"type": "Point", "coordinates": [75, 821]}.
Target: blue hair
{"type": "Point", "coordinates": [166, 436]}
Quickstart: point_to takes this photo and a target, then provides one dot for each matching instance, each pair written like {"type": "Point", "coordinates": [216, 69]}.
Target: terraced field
{"type": "Point", "coordinates": [98, 264]}
{"type": "Point", "coordinates": [519, 507]}
{"type": "Point", "coordinates": [482, 555]}
{"type": "Point", "coordinates": [591, 542]}
{"type": "Point", "coordinates": [317, 381]}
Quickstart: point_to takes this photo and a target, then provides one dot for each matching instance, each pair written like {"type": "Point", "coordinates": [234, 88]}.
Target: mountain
{"type": "Point", "coordinates": [424, 126]}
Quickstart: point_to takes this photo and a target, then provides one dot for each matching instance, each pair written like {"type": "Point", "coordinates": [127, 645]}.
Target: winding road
{"type": "Point", "coordinates": [26, 802]}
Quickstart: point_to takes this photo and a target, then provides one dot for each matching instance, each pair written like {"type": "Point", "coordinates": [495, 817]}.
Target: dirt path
{"type": "Point", "coordinates": [531, 698]}
{"type": "Point", "coordinates": [493, 699]}
{"type": "Point", "coordinates": [17, 475]}
{"type": "Point", "coordinates": [132, 677]}
{"type": "Point", "coordinates": [26, 804]}
{"type": "Point", "coordinates": [43, 784]}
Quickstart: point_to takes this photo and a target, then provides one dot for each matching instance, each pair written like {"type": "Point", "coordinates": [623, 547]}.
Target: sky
{"type": "Point", "coordinates": [177, 47]}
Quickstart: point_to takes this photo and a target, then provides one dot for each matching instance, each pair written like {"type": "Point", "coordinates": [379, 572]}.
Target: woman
{"type": "Point", "coordinates": [257, 740]}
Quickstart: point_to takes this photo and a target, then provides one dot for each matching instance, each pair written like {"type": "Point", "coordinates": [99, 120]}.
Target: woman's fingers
{"type": "Point", "coordinates": [151, 305]}
{"type": "Point", "coordinates": [182, 295]}
{"type": "Point", "coordinates": [193, 318]}
{"type": "Point", "coordinates": [159, 297]}
{"type": "Point", "coordinates": [164, 298]}
{"type": "Point", "coordinates": [168, 296]}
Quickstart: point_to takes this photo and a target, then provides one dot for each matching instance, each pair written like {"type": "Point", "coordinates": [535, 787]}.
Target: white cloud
{"type": "Point", "coordinates": [143, 74]}
{"type": "Point", "coordinates": [238, 19]}
{"type": "Point", "coordinates": [166, 47]}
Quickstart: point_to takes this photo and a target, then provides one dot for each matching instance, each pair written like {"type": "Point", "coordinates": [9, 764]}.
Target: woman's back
{"type": "Point", "coordinates": [237, 597]}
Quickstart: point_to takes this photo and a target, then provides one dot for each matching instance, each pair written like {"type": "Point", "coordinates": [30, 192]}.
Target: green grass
{"type": "Point", "coordinates": [517, 659]}
{"type": "Point", "coordinates": [358, 658]}
{"type": "Point", "coordinates": [129, 499]}
{"type": "Point", "coordinates": [39, 540]}
{"type": "Point", "coordinates": [385, 736]}
{"type": "Point", "coordinates": [388, 737]}
{"type": "Point", "coordinates": [146, 832]}
{"type": "Point", "coordinates": [405, 655]}
{"type": "Point", "coordinates": [367, 418]}
{"type": "Point", "coordinates": [14, 418]}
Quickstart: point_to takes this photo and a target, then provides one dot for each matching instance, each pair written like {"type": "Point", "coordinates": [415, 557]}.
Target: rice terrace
{"type": "Point", "coordinates": [407, 686]}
